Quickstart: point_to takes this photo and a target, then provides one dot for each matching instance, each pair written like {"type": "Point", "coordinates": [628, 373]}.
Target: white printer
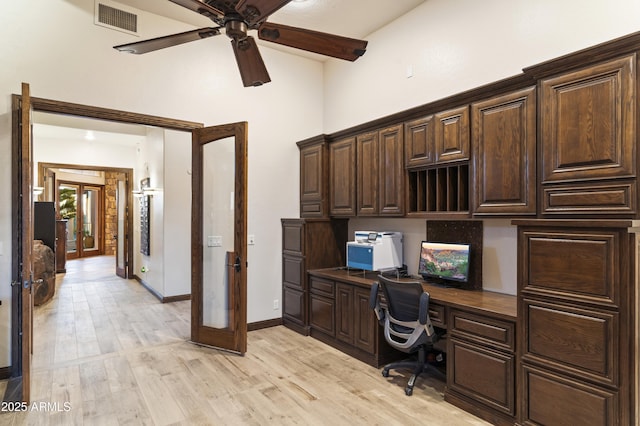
{"type": "Point", "coordinates": [375, 251]}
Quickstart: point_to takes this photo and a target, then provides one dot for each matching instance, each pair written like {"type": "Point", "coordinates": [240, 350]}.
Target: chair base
{"type": "Point", "coordinates": [419, 366]}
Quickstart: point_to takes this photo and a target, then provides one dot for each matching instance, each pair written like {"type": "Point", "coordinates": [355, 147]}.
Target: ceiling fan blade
{"type": "Point", "coordinates": [150, 45]}
{"type": "Point", "coordinates": [254, 11]}
{"type": "Point", "coordinates": [332, 45]}
{"type": "Point", "coordinates": [250, 63]}
{"type": "Point", "coordinates": [200, 7]}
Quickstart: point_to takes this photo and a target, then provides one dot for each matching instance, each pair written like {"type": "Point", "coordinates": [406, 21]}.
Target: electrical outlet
{"type": "Point", "coordinates": [276, 304]}
{"type": "Point", "coordinates": [251, 239]}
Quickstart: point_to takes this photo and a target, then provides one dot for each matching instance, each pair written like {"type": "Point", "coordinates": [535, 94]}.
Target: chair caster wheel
{"type": "Point", "coordinates": [385, 372]}
{"type": "Point", "coordinates": [408, 391]}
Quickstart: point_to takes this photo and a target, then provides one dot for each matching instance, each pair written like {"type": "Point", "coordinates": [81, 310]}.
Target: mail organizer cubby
{"type": "Point", "coordinates": [443, 189]}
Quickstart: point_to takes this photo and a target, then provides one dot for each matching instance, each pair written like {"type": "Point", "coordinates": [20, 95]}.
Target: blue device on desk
{"type": "Point", "coordinates": [375, 251]}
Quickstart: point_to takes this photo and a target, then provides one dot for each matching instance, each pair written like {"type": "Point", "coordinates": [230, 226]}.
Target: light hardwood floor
{"type": "Point", "coordinates": [114, 355]}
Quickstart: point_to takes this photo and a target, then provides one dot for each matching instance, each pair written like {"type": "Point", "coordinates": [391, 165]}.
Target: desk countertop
{"type": "Point", "coordinates": [497, 304]}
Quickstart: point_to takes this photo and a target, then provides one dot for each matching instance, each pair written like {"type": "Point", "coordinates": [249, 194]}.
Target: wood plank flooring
{"type": "Point", "coordinates": [106, 352]}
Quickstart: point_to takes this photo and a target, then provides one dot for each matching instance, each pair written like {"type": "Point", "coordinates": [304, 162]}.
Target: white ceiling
{"type": "Point", "coordinates": [349, 18]}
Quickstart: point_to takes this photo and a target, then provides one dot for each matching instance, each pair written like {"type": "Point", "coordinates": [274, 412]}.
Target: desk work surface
{"type": "Point", "coordinates": [497, 304]}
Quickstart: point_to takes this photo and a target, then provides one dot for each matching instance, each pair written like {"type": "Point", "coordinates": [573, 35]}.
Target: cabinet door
{"type": "Point", "coordinates": [313, 180]}
{"type": "Point", "coordinates": [484, 374]}
{"type": "Point", "coordinates": [420, 144]}
{"type": "Point", "coordinates": [504, 154]}
{"type": "Point", "coordinates": [391, 186]}
{"type": "Point", "coordinates": [452, 135]}
{"type": "Point", "coordinates": [342, 161]}
{"type": "Point", "coordinates": [322, 314]}
{"type": "Point", "coordinates": [367, 159]}
{"type": "Point", "coordinates": [344, 312]}
{"type": "Point", "coordinates": [365, 324]}
{"type": "Point", "coordinates": [554, 399]}
{"type": "Point", "coordinates": [588, 122]}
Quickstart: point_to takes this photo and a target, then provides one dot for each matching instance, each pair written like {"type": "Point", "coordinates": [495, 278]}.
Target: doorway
{"type": "Point", "coordinates": [23, 105]}
{"type": "Point", "coordinates": [82, 205]}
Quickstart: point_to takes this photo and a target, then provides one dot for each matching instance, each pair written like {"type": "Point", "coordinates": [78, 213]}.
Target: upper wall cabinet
{"type": "Point", "coordinates": [391, 176]}
{"type": "Point", "coordinates": [367, 162]}
{"type": "Point", "coordinates": [452, 135]}
{"type": "Point", "coordinates": [380, 172]}
{"type": "Point", "coordinates": [503, 137]}
{"type": "Point", "coordinates": [313, 177]}
{"type": "Point", "coordinates": [342, 177]}
{"type": "Point", "coordinates": [420, 144]}
{"type": "Point", "coordinates": [588, 137]}
{"type": "Point", "coordinates": [439, 138]}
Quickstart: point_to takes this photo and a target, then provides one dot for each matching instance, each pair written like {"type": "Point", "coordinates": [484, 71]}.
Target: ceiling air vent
{"type": "Point", "coordinates": [116, 18]}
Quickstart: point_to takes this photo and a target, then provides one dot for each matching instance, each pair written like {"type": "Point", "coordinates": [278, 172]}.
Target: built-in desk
{"type": "Point", "coordinates": [480, 338]}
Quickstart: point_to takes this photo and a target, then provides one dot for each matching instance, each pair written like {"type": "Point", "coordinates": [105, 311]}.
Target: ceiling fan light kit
{"type": "Point", "coordinates": [239, 16]}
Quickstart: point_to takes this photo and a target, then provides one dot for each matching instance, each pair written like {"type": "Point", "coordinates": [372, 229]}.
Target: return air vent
{"type": "Point", "coordinates": [116, 18]}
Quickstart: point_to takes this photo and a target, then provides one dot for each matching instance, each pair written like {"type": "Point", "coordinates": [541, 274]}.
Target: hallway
{"type": "Point", "coordinates": [108, 352]}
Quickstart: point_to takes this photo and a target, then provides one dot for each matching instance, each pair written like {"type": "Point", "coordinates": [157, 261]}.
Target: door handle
{"type": "Point", "coordinates": [237, 264]}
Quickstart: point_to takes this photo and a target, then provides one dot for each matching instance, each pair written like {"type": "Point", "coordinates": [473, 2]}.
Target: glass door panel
{"type": "Point", "coordinates": [90, 218]}
{"type": "Point", "coordinates": [218, 183]}
{"type": "Point", "coordinates": [68, 208]}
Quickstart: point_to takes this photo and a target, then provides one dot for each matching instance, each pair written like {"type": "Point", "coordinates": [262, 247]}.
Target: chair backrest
{"type": "Point", "coordinates": [403, 298]}
{"type": "Point", "coordinates": [407, 325]}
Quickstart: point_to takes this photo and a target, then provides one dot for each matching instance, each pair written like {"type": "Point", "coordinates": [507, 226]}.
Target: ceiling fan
{"type": "Point", "coordinates": [236, 17]}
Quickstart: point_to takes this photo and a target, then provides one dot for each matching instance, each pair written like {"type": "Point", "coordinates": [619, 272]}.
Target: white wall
{"type": "Point", "coordinates": [54, 46]}
{"type": "Point", "coordinates": [177, 213]}
{"type": "Point", "coordinates": [456, 45]}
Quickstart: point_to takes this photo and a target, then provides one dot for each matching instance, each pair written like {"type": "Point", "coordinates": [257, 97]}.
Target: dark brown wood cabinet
{"type": "Point", "coordinates": [314, 167]}
{"type": "Point", "coordinates": [340, 316]}
{"type": "Point", "coordinates": [452, 135]}
{"type": "Point", "coordinates": [503, 135]}
{"type": "Point", "coordinates": [481, 362]}
{"type": "Point", "coordinates": [307, 244]}
{"type": "Point", "coordinates": [342, 177]}
{"type": "Point", "coordinates": [391, 171]}
{"type": "Point", "coordinates": [577, 296]}
{"type": "Point", "coordinates": [367, 171]}
{"type": "Point", "coordinates": [420, 144]}
{"type": "Point", "coordinates": [588, 140]}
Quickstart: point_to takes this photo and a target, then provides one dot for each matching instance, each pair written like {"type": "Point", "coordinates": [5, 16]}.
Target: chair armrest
{"type": "Point", "coordinates": [423, 313]}
{"type": "Point", "coordinates": [374, 304]}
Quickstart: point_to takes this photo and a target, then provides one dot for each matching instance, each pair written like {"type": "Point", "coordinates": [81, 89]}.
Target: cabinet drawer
{"type": "Point", "coordinates": [293, 271]}
{"type": "Point", "coordinates": [322, 287]}
{"type": "Point", "coordinates": [293, 305]}
{"type": "Point", "coordinates": [608, 198]}
{"type": "Point", "coordinates": [575, 265]}
{"type": "Point", "coordinates": [485, 329]}
{"type": "Point", "coordinates": [437, 315]}
{"type": "Point", "coordinates": [485, 375]}
{"type": "Point", "coordinates": [569, 339]}
{"type": "Point", "coordinates": [551, 399]}
{"type": "Point", "coordinates": [293, 237]}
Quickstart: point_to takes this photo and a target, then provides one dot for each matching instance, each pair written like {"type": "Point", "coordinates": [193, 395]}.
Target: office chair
{"type": "Point", "coordinates": [407, 326]}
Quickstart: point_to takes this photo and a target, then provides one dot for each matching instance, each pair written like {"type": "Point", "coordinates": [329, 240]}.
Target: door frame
{"type": "Point", "coordinates": [14, 389]}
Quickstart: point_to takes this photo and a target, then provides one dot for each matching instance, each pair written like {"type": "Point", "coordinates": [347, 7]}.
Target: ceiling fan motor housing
{"type": "Point", "coordinates": [236, 29]}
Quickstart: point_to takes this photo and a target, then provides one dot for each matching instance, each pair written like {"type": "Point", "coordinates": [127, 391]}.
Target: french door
{"type": "Point", "coordinates": [219, 237]}
{"type": "Point", "coordinates": [83, 207]}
